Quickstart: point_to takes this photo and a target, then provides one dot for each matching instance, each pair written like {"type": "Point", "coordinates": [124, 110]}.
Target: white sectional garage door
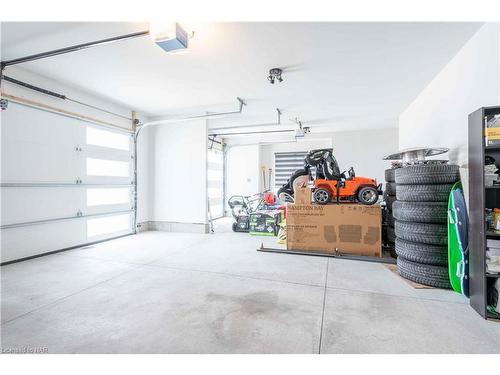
{"type": "Point", "coordinates": [65, 182]}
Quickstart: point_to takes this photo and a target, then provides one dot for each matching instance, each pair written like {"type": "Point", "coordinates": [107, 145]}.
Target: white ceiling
{"type": "Point", "coordinates": [337, 76]}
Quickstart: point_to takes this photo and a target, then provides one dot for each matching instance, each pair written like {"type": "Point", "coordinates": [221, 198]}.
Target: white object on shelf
{"type": "Point", "coordinates": [489, 178]}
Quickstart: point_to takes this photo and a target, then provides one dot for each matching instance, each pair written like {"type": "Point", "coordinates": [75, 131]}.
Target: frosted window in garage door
{"type": "Point", "coordinates": [107, 196]}
{"type": "Point", "coordinates": [109, 224]}
{"type": "Point", "coordinates": [215, 181]}
{"type": "Point", "coordinates": [104, 138]}
{"type": "Point", "coordinates": [104, 167]}
{"type": "Point", "coordinates": [108, 165]}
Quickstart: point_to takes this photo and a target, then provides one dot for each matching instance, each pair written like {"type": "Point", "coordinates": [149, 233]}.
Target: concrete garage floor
{"type": "Point", "coordinates": [162, 292]}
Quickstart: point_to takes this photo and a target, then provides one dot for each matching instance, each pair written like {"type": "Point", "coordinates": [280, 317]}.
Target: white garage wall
{"type": "Point", "coordinates": [40, 146]}
{"type": "Point", "coordinates": [364, 150]}
{"type": "Point", "coordinates": [439, 115]}
{"type": "Point", "coordinates": [178, 175]}
{"type": "Point", "coordinates": [242, 170]}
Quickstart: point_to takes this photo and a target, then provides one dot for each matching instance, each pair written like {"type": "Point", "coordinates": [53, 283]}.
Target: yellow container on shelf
{"type": "Point", "coordinates": [496, 219]}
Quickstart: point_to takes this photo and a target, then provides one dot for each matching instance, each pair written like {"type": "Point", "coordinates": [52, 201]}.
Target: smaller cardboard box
{"type": "Point", "coordinates": [265, 223]}
{"type": "Point", "coordinates": [347, 228]}
{"type": "Point", "coordinates": [303, 195]}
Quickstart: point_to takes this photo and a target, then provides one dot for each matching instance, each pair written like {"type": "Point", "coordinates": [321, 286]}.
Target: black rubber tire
{"type": "Point", "coordinates": [389, 201]}
{"type": "Point", "coordinates": [390, 188]}
{"type": "Point", "coordinates": [391, 235]}
{"type": "Point", "coordinates": [424, 174]}
{"type": "Point", "coordinates": [423, 193]}
{"type": "Point", "coordinates": [284, 189]}
{"type": "Point", "coordinates": [422, 253]}
{"type": "Point", "coordinates": [421, 212]}
{"type": "Point", "coordinates": [392, 249]}
{"type": "Point", "coordinates": [389, 175]}
{"type": "Point", "coordinates": [365, 189]}
{"type": "Point", "coordinates": [288, 186]}
{"type": "Point", "coordinates": [234, 227]}
{"type": "Point", "coordinates": [431, 234]}
{"type": "Point", "coordinates": [435, 276]}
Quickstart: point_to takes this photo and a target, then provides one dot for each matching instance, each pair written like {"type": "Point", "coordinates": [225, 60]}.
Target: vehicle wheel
{"type": "Point", "coordinates": [427, 174]}
{"type": "Point", "coordinates": [298, 173]}
{"type": "Point", "coordinates": [425, 274]}
{"type": "Point", "coordinates": [421, 212]}
{"type": "Point", "coordinates": [235, 227]}
{"type": "Point", "coordinates": [389, 175]}
{"type": "Point", "coordinates": [288, 186]}
{"type": "Point", "coordinates": [389, 201]}
{"type": "Point", "coordinates": [432, 234]}
{"type": "Point", "coordinates": [422, 253]}
{"type": "Point", "coordinates": [423, 193]}
{"type": "Point", "coordinates": [285, 197]}
{"type": "Point", "coordinates": [322, 196]}
{"type": "Point", "coordinates": [368, 195]}
{"type": "Point", "coordinates": [391, 235]}
{"type": "Point", "coordinates": [285, 189]}
{"type": "Point", "coordinates": [390, 188]}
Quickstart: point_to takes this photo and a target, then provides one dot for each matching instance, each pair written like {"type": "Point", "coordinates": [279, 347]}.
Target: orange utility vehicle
{"type": "Point", "coordinates": [332, 186]}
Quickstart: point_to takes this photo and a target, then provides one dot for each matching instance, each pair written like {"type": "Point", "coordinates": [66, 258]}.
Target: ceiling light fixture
{"type": "Point", "coordinates": [275, 75]}
{"type": "Point", "coordinates": [169, 36]}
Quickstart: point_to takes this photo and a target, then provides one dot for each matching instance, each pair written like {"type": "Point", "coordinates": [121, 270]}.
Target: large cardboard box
{"type": "Point", "coordinates": [347, 228]}
{"type": "Point", "coordinates": [302, 195]}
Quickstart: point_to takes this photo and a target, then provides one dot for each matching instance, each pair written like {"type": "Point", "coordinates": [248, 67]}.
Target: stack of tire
{"type": "Point", "coordinates": [389, 198]}
{"type": "Point", "coordinates": [421, 211]}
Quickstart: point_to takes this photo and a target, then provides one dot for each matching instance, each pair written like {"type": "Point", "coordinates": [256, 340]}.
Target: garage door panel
{"type": "Point", "coordinates": [20, 205]}
{"type": "Point", "coordinates": [27, 241]}
{"type": "Point", "coordinates": [29, 162]}
{"type": "Point", "coordinates": [50, 163]}
{"type": "Point", "coordinates": [31, 204]}
{"type": "Point", "coordinates": [23, 123]}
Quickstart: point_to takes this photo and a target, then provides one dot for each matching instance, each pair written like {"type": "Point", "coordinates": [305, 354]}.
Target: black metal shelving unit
{"type": "Point", "coordinates": [480, 197]}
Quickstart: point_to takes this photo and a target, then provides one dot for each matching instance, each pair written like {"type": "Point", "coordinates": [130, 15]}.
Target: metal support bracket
{"type": "Point", "coordinates": [241, 103]}
{"type": "Point", "coordinates": [215, 131]}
